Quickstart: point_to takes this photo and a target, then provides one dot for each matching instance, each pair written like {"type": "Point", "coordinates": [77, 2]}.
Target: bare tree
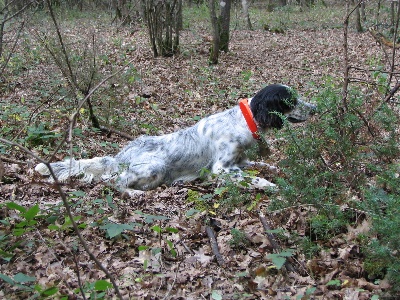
{"type": "Point", "coordinates": [12, 23]}
{"type": "Point", "coordinates": [245, 8]}
{"type": "Point", "coordinates": [164, 21]}
{"type": "Point", "coordinates": [358, 16]}
{"type": "Point", "coordinates": [220, 28]}
{"type": "Point", "coordinates": [122, 11]}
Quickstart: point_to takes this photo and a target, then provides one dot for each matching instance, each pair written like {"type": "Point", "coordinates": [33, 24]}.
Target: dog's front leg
{"type": "Point", "coordinates": [236, 175]}
{"type": "Point", "coordinates": [247, 164]}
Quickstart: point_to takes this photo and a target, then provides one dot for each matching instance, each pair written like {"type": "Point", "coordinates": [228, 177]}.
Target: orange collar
{"type": "Point", "coordinates": [248, 116]}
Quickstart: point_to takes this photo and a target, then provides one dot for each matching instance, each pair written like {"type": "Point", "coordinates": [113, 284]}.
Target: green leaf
{"type": "Point", "coordinates": [336, 282]}
{"type": "Point", "coordinates": [13, 205]}
{"type": "Point", "coordinates": [156, 228]}
{"type": "Point", "coordinates": [242, 274]}
{"type": "Point", "coordinates": [53, 227]}
{"type": "Point", "coordinates": [76, 194]}
{"type": "Point", "coordinates": [7, 256]}
{"type": "Point", "coordinates": [156, 250]}
{"type": "Point", "coordinates": [19, 231]}
{"type": "Point", "coordinates": [143, 247]}
{"type": "Point", "coordinates": [216, 295]}
{"type": "Point", "coordinates": [274, 231]}
{"type": "Point", "coordinates": [171, 229]}
{"type": "Point", "coordinates": [102, 285]}
{"type": "Point", "coordinates": [311, 290]}
{"type": "Point", "coordinates": [286, 253]}
{"type": "Point", "coordinates": [277, 260]}
{"type": "Point", "coordinates": [171, 248]}
{"type": "Point", "coordinates": [32, 212]}
{"type": "Point", "coordinates": [221, 190]}
{"type": "Point", "coordinates": [22, 278]}
{"type": "Point", "coordinates": [113, 229]}
{"type": "Point", "coordinates": [7, 279]}
{"type": "Point", "coordinates": [191, 212]}
{"type": "Point", "coordinates": [49, 292]}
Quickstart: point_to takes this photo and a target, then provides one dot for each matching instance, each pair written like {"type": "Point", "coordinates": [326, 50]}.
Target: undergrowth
{"type": "Point", "coordinates": [347, 161]}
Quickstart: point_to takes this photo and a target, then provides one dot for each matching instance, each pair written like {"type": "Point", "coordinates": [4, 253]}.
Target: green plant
{"type": "Point", "coordinates": [348, 155]}
{"type": "Point", "coordinates": [96, 290]}
{"type": "Point", "coordinates": [239, 239]}
{"type": "Point", "coordinates": [279, 259]}
{"type": "Point", "coordinates": [323, 227]}
{"type": "Point", "coordinates": [382, 254]}
{"type": "Point", "coordinates": [24, 283]}
{"type": "Point", "coordinates": [28, 218]}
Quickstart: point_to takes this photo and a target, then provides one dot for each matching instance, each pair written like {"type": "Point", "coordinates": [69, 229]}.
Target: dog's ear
{"type": "Point", "coordinates": [269, 105]}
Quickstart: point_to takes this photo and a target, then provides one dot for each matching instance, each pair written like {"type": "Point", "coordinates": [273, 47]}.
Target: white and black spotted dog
{"type": "Point", "coordinates": [216, 143]}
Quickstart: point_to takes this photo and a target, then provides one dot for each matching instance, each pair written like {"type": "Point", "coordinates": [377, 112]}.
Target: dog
{"type": "Point", "coordinates": [216, 143]}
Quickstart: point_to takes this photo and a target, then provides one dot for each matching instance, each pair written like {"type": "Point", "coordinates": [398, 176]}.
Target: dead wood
{"type": "Point", "coordinates": [214, 246]}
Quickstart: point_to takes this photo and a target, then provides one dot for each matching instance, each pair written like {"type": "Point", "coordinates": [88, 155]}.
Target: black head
{"type": "Point", "coordinates": [269, 104]}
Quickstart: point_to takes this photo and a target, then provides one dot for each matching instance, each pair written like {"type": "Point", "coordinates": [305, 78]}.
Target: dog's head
{"type": "Point", "coordinates": [272, 103]}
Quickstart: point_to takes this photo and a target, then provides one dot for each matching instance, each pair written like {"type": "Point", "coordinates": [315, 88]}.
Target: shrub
{"type": "Point", "coordinates": [347, 159]}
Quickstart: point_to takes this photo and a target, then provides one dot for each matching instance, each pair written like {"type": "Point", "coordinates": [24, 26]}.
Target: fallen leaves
{"type": "Point", "coordinates": [171, 94]}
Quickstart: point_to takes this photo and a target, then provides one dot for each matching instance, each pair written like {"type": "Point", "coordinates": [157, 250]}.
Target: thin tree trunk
{"type": "Point", "coordinates": [358, 19]}
{"type": "Point", "coordinates": [245, 7]}
{"type": "Point", "coordinates": [214, 53]}
{"type": "Point", "coordinates": [225, 20]}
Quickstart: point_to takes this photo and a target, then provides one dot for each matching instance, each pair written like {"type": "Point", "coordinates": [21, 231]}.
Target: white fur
{"type": "Point", "coordinates": [216, 143]}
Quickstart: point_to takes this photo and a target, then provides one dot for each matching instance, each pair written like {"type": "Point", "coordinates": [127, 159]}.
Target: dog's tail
{"type": "Point", "coordinates": [88, 170]}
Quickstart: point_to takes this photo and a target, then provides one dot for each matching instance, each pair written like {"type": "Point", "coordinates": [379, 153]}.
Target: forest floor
{"type": "Point", "coordinates": [164, 251]}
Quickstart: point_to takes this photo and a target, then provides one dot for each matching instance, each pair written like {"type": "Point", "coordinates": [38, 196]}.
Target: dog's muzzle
{"type": "Point", "coordinates": [301, 112]}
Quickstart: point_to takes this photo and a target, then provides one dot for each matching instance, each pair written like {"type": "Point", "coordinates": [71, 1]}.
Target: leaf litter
{"type": "Point", "coordinates": [172, 93]}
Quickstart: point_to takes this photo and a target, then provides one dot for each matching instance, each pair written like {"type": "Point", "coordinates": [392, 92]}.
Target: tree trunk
{"type": "Point", "coordinates": [225, 20]}
{"type": "Point", "coordinates": [163, 20]}
{"type": "Point", "coordinates": [245, 7]}
{"type": "Point", "coordinates": [362, 8]}
{"type": "Point", "coordinates": [358, 18]}
{"type": "Point", "coordinates": [214, 53]}
{"type": "Point", "coordinates": [122, 12]}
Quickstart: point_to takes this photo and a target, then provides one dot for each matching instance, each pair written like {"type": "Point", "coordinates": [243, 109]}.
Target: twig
{"type": "Point", "coordinates": [186, 247]}
{"type": "Point", "coordinates": [79, 276]}
{"type": "Point", "coordinates": [64, 50]}
{"type": "Point", "coordinates": [387, 98]}
{"type": "Point", "coordinates": [273, 241]}
{"type": "Point", "coordinates": [394, 45]}
{"type": "Point", "coordinates": [214, 246]}
{"type": "Point", "coordinates": [12, 161]}
{"type": "Point", "coordinates": [120, 133]}
{"type": "Point", "coordinates": [173, 283]}
{"type": "Point", "coordinates": [64, 199]}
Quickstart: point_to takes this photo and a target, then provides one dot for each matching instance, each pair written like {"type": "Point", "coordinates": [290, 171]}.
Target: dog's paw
{"type": "Point", "coordinates": [262, 183]}
{"type": "Point", "coordinates": [130, 193]}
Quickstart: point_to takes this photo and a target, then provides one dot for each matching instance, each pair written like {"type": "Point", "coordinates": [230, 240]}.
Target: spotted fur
{"type": "Point", "coordinates": [216, 143]}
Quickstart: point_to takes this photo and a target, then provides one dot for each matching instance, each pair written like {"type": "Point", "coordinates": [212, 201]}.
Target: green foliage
{"type": "Point", "coordinates": [95, 290]}
{"type": "Point", "coordinates": [239, 239]}
{"type": "Point", "coordinates": [28, 218]}
{"type": "Point", "coordinates": [383, 257]}
{"type": "Point", "coordinates": [350, 151]}
{"type": "Point", "coordinates": [114, 229]}
{"type": "Point", "coordinates": [279, 259]}
{"type": "Point", "coordinates": [24, 283]}
{"type": "Point", "coordinates": [323, 227]}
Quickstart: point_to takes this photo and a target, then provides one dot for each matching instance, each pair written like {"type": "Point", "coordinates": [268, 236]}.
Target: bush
{"type": "Point", "coordinates": [347, 159]}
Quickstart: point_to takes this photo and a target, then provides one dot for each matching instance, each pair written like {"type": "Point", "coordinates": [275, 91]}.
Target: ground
{"type": "Point", "coordinates": [155, 245]}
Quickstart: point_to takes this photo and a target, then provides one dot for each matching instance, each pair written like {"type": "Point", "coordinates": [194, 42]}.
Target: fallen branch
{"type": "Point", "coordinates": [120, 133]}
{"type": "Point", "coordinates": [381, 39]}
{"type": "Point", "coordinates": [273, 241]}
{"type": "Point", "coordinates": [64, 199]}
{"type": "Point", "coordinates": [214, 246]}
